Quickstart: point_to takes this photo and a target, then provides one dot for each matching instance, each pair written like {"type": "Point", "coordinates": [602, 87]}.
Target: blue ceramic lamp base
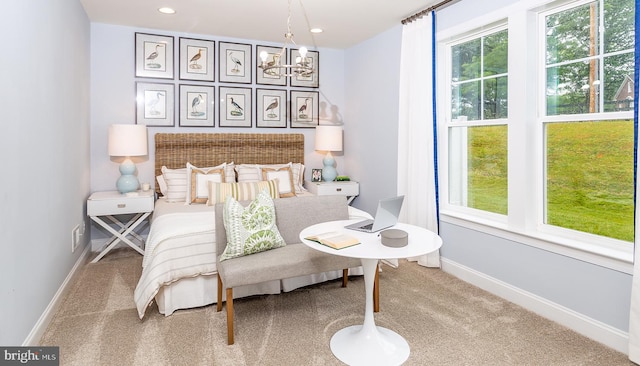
{"type": "Point", "coordinates": [329, 172]}
{"type": "Point", "coordinates": [127, 182]}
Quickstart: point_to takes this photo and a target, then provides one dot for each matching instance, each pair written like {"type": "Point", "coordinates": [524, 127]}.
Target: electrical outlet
{"type": "Point", "coordinates": [75, 238]}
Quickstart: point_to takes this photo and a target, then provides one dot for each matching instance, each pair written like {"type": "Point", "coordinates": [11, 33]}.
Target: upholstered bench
{"type": "Point", "coordinates": [292, 260]}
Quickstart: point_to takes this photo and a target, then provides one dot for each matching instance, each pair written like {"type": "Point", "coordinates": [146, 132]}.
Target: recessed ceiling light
{"type": "Point", "coordinates": [167, 11]}
{"type": "Point", "coordinates": [315, 30]}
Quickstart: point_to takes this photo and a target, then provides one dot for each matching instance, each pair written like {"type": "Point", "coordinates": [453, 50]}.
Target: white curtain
{"type": "Point", "coordinates": [416, 168]}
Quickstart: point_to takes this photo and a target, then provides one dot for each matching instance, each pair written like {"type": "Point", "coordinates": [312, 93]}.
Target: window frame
{"type": "Point", "coordinates": [450, 123]}
{"type": "Point", "coordinates": [525, 122]}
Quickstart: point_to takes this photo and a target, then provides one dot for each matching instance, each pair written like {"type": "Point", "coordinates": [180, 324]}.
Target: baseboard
{"type": "Point", "coordinates": [591, 328]}
{"type": "Point", "coordinates": [41, 325]}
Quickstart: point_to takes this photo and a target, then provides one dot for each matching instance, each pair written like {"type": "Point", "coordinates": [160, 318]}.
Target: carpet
{"type": "Point", "coordinates": [445, 321]}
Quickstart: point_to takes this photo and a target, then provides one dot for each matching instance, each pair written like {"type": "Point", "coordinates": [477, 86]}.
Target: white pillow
{"type": "Point", "coordinates": [252, 173]}
{"type": "Point", "coordinates": [297, 169]}
{"type": "Point", "coordinates": [285, 180]}
{"type": "Point", "coordinates": [230, 173]}
{"type": "Point", "coordinates": [176, 181]}
{"type": "Point", "coordinates": [249, 173]}
{"type": "Point", "coordinates": [162, 185]}
{"type": "Point", "coordinates": [198, 180]}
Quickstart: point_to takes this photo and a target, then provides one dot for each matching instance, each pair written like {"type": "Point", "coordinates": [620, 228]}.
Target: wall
{"type": "Point", "coordinates": [589, 298]}
{"type": "Point", "coordinates": [45, 148]}
{"type": "Point", "coordinates": [372, 80]}
{"type": "Point", "coordinates": [113, 98]}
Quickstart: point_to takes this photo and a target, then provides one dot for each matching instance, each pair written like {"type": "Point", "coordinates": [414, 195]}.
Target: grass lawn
{"type": "Point", "coordinates": [589, 175]}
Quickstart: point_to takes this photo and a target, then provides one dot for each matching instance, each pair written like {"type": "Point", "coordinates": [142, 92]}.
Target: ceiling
{"type": "Point", "coordinates": [345, 22]}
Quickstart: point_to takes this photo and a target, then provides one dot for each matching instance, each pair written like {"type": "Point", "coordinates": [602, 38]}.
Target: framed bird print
{"type": "Point", "coordinates": [235, 107]}
{"type": "Point", "coordinates": [304, 109]}
{"type": "Point", "coordinates": [235, 62]}
{"type": "Point", "coordinates": [196, 59]}
{"type": "Point", "coordinates": [273, 56]}
{"type": "Point", "coordinates": [271, 108]}
{"type": "Point", "coordinates": [154, 104]}
{"type": "Point", "coordinates": [197, 103]}
{"type": "Point", "coordinates": [154, 56]}
{"type": "Point", "coordinates": [312, 59]}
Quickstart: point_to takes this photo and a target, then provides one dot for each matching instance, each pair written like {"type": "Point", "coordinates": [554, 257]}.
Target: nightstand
{"type": "Point", "coordinates": [109, 204]}
{"type": "Point", "coordinates": [350, 189]}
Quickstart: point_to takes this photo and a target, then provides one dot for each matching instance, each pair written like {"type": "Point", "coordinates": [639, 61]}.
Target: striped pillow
{"type": "Point", "coordinates": [241, 191]}
{"type": "Point", "coordinates": [176, 180]}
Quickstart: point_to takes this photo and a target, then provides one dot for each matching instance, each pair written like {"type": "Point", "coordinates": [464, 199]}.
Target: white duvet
{"type": "Point", "coordinates": [181, 244]}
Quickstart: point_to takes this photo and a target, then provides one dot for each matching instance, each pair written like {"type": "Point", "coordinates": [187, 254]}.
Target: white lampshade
{"type": "Point", "coordinates": [127, 140]}
{"type": "Point", "coordinates": [329, 138]}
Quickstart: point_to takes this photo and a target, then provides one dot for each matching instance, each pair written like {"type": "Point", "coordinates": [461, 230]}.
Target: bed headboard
{"type": "Point", "coordinates": [174, 150]}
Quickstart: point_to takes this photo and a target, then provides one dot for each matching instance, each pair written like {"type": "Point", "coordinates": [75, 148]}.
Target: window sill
{"type": "Point", "coordinates": [618, 260]}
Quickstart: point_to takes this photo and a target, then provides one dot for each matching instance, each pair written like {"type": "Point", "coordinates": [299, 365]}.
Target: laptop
{"type": "Point", "coordinates": [386, 216]}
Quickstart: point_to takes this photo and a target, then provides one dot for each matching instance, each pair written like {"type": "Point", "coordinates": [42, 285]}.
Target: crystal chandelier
{"type": "Point", "coordinates": [276, 67]}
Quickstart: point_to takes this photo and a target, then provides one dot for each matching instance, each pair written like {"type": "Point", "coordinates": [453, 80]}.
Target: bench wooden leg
{"type": "Point", "coordinates": [376, 292]}
{"type": "Point", "coordinates": [219, 304]}
{"type": "Point", "coordinates": [345, 277]}
{"type": "Point", "coordinates": [230, 339]}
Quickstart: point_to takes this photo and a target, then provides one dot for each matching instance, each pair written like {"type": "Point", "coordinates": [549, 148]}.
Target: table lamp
{"type": "Point", "coordinates": [329, 138]}
{"type": "Point", "coordinates": [127, 141]}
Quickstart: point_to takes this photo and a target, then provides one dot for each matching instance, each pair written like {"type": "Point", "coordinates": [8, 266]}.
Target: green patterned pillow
{"type": "Point", "coordinates": [252, 229]}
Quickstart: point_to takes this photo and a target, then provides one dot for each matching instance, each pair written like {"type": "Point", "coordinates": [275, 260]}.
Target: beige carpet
{"type": "Point", "coordinates": [444, 320]}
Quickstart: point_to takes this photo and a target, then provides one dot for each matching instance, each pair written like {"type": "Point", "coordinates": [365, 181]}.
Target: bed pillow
{"type": "Point", "coordinates": [252, 229]}
{"type": "Point", "coordinates": [297, 169]}
{"type": "Point", "coordinates": [176, 181]}
{"type": "Point", "coordinates": [285, 180]}
{"type": "Point", "coordinates": [218, 172]}
{"type": "Point", "coordinates": [248, 172]}
{"type": "Point", "coordinates": [230, 172]}
{"type": "Point", "coordinates": [162, 185]}
{"type": "Point", "coordinates": [253, 173]}
{"type": "Point", "coordinates": [241, 191]}
{"type": "Point", "coordinates": [198, 190]}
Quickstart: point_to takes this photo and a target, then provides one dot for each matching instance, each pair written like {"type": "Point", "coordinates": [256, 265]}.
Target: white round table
{"type": "Point", "coordinates": [368, 344]}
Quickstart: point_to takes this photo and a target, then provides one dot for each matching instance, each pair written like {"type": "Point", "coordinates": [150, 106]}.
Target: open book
{"type": "Point", "coordinates": [334, 240]}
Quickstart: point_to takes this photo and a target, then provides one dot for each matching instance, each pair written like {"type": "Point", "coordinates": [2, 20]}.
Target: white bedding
{"type": "Point", "coordinates": [181, 244]}
{"type": "Point", "coordinates": [180, 260]}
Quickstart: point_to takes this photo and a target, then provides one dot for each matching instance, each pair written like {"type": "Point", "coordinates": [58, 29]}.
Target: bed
{"type": "Point", "coordinates": [179, 264]}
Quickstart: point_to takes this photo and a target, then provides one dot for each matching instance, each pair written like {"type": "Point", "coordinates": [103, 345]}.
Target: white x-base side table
{"type": "Point", "coordinates": [110, 204]}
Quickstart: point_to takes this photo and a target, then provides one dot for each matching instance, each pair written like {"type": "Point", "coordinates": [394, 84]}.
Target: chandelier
{"type": "Point", "coordinates": [277, 67]}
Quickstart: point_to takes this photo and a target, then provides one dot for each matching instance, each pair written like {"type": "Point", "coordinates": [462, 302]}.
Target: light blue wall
{"type": "Point", "coordinates": [45, 148]}
{"type": "Point", "coordinates": [113, 98]}
{"type": "Point", "coordinates": [47, 140]}
{"type": "Point", "coordinates": [596, 292]}
{"type": "Point", "coordinates": [371, 84]}
{"type": "Point", "coordinates": [593, 291]}
{"type": "Point", "coordinates": [372, 79]}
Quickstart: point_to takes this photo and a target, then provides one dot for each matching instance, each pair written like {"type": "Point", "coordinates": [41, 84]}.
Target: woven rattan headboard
{"type": "Point", "coordinates": [174, 150]}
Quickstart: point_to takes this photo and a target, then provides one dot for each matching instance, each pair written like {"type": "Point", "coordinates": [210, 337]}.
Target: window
{"type": "Point", "coordinates": [589, 160]}
{"type": "Point", "coordinates": [478, 133]}
{"type": "Point", "coordinates": [538, 119]}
